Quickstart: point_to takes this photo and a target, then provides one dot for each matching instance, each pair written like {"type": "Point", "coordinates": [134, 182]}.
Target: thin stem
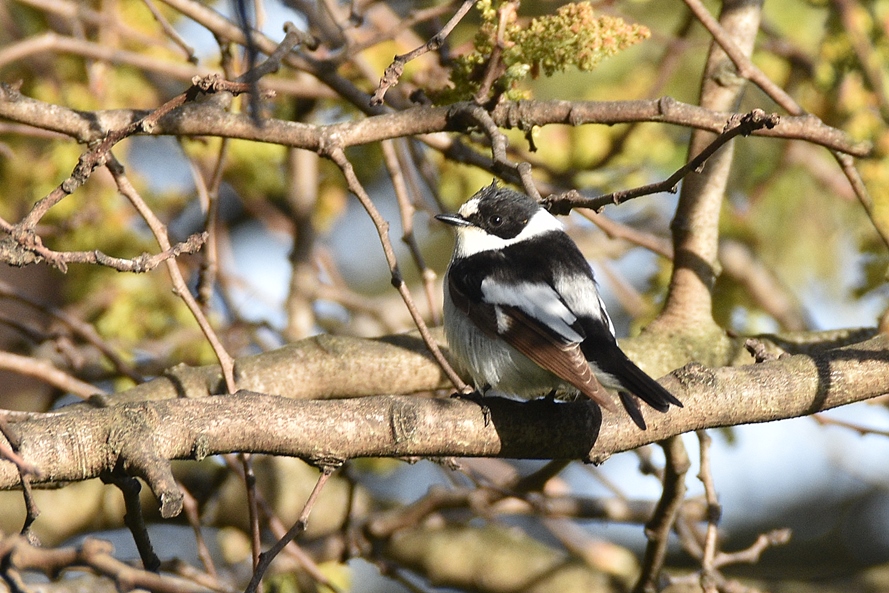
{"type": "Point", "coordinates": [265, 559]}
{"type": "Point", "coordinates": [394, 71]}
{"type": "Point", "coordinates": [714, 512]}
{"type": "Point", "coordinates": [159, 230]}
{"type": "Point", "coordinates": [658, 528]}
{"type": "Point", "coordinates": [406, 210]}
{"type": "Point", "coordinates": [337, 155]}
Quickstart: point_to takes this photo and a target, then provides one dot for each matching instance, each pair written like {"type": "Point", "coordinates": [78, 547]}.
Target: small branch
{"type": "Point", "coordinates": [245, 461]}
{"type": "Point", "coordinates": [738, 125]}
{"type": "Point", "coordinates": [190, 505]}
{"type": "Point", "coordinates": [714, 513]}
{"type": "Point", "coordinates": [847, 164]}
{"type": "Point", "coordinates": [407, 210]}
{"type": "Point", "coordinates": [266, 558]}
{"type": "Point", "coordinates": [276, 527]}
{"type": "Point", "coordinates": [32, 511]}
{"type": "Point", "coordinates": [171, 32]}
{"type": "Point", "coordinates": [386, 32]}
{"type": "Point", "coordinates": [336, 154]}
{"type": "Point", "coordinates": [79, 328]}
{"type": "Point", "coordinates": [616, 230]}
{"type": "Point", "coordinates": [209, 197]}
{"type": "Point", "coordinates": [862, 430]}
{"type": "Point", "coordinates": [97, 555]}
{"type": "Point", "coordinates": [658, 528]}
{"type": "Point", "coordinates": [48, 373]}
{"type": "Point", "coordinates": [226, 362]}
{"type": "Point", "coordinates": [750, 71]}
{"type": "Point", "coordinates": [133, 518]}
{"type": "Point", "coordinates": [23, 232]}
{"type": "Point", "coordinates": [758, 350]}
{"type": "Point", "coordinates": [494, 68]}
{"type": "Point", "coordinates": [777, 537]}
{"type": "Point", "coordinates": [26, 470]}
{"type": "Point", "coordinates": [499, 144]}
{"type": "Point", "coordinates": [746, 68]}
{"type": "Point", "coordinates": [394, 71]}
{"type": "Point", "coordinates": [16, 254]}
{"type": "Point", "coordinates": [292, 38]}
{"type": "Point", "coordinates": [10, 452]}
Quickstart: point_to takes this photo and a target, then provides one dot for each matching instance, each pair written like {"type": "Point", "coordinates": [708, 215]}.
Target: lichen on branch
{"type": "Point", "coordinates": [573, 37]}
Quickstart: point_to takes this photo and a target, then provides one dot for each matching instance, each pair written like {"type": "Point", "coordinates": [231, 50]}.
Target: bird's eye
{"type": "Point", "coordinates": [496, 220]}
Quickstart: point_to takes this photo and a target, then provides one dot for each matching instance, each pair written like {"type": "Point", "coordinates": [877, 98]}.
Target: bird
{"type": "Point", "coordinates": [522, 311]}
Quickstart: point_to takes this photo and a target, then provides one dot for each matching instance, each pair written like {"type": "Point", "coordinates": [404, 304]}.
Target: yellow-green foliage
{"type": "Point", "coordinates": [572, 38]}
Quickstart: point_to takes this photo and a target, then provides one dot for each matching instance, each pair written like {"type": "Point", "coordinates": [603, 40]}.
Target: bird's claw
{"type": "Point", "coordinates": [478, 398]}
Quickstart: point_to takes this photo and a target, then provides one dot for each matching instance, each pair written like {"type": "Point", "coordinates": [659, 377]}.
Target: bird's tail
{"type": "Point", "coordinates": [636, 383]}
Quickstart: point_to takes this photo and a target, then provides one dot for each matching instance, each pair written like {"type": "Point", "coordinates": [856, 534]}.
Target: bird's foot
{"type": "Point", "coordinates": [477, 398]}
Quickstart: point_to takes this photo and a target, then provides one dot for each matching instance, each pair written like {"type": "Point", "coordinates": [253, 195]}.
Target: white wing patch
{"type": "Point", "coordinates": [582, 296]}
{"type": "Point", "coordinates": [539, 301]}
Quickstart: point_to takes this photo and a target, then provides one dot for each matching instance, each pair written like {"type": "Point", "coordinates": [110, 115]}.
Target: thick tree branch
{"type": "Point", "coordinates": [695, 226]}
{"type": "Point", "coordinates": [209, 120]}
{"type": "Point", "coordinates": [139, 434]}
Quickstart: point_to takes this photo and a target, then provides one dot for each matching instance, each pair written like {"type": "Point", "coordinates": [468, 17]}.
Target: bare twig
{"type": "Point", "coordinates": [23, 232]}
{"type": "Point", "coordinates": [776, 537]}
{"type": "Point", "coordinates": [159, 230]}
{"type": "Point", "coordinates": [387, 30]}
{"type": "Point", "coordinates": [133, 519]}
{"type": "Point", "coordinates": [209, 195]}
{"type": "Point", "coordinates": [714, 513]}
{"type": "Point", "coordinates": [171, 32]}
{"type": "Point", "coordinates": [748, 70]}
{"type": "Point", "coordinates": [494, 68]}
{"type": "Point", "coordinates": [26, 470]}
{"type": "Point", "coordinates": [758, 350]}
{"type": "Point", "coordinates": [80, 329]}
{"type": "Point", "coordinates": [396, 68]}
{"type": "Point", "coordinates": [47, 372]}
{"type": "Point", "coordinates": [11, 453]}
{"type": "Point", "coordinates": [499, 144]}
{"type": "Point", "coordinates": [278, 530]}
{"type": "Point", "coordinates": [18, 555]}
{"type": "Point", "coordinates": [658, 529]}
{"type": "Point", "coordinates": [16, 254]}
{"type": "Point", "coordinates": [336, 154]}
{"type": "Point", "coordinates": [265, 559]}
{"type": "Point", "coordinates": [245, 460]}
{"type": "Point", "coordinates": [190, 506]}
{"type": "Point", "coordinates": [406, 210]}
{"type": "Point", "coordinates": [292, 38]}
{"type": "Point", "coordinates": [738, 125]}
{"type": "Point", "coordinates": [862, 430]}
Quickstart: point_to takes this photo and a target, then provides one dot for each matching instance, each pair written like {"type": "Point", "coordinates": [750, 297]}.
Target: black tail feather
{"type": "Point", "coordinates": [645, 388]}
{"type": "Point", "coordinates": [631, 405]}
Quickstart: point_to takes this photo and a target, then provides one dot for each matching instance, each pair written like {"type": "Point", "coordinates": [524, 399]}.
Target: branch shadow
{"type": "Point", "coordinates": [824, 360]}
{"type": "Point", "coordinates": [544, 429]}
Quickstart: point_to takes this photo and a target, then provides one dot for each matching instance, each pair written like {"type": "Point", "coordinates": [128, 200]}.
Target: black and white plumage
{"type": "Point", "coordinates": [522, 311]}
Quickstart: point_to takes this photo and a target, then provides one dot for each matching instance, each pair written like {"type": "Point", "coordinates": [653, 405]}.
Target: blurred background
{"type": "Point", "coordinates": [799, 253]}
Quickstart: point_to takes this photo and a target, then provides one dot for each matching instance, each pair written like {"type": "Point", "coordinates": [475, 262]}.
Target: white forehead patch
{"type": "Point", "coordinates": [469, 208]}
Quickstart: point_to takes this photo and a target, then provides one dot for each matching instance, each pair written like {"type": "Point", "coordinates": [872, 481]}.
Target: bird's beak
{"type": "Point", "coordinates": [453, 219]}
